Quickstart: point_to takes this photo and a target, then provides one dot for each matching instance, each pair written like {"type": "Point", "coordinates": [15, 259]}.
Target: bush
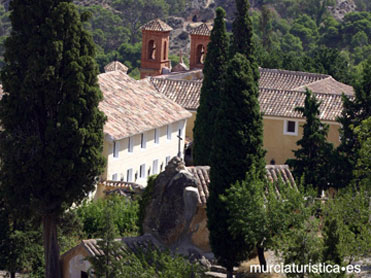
{"type": "Point", "coordinates": [125, 216]}
{"type": "Point", "coordinates": [145, 200]}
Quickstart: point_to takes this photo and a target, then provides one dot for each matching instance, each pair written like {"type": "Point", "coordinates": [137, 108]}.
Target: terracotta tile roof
{"type": "Point", "coordinates": [116, 66]}
{"type": "Point", "coordinates": [156, 25]}
{"type": "Point", "coordinates": [133, 106]}
{"type": "Point", "coordinates": [201, 173]}
{"type": "Point", "coordinates": [281, 103]}
{"type": "Point", "coordinates": [287, 80]}
{"type": "Point", "coordinates": [328, 86]}
{"type": "Point", "coordinates": [122, 188]}
{"type": "Point", "coordinates": [202, 30]}
{"type": "Point", "coordinates": [134, 244]}
{"type": "Point", "coordinates": [280, 92]}
{"type": "Point", "coordinates": [184, 92]}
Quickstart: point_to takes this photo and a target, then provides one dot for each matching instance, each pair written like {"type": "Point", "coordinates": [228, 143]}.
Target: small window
{"type": "Point", "coordinates": [142, 141]}
{"type": "Point", "coordinates": [168, 132]}
{"type": "Point", "coordinates": [129, 175]}
{"type": "Point", "coordinates": [155, 167]}
{"type": "Point", "coordinates": [115, 177]}
{"type": "Point", "coordinates": [130, 144]}
{"type": "Point", "coordinates": [156, 136]}
{"type": "Point", "coordinates": [84, 274]}
{"type": "Point", "coordinates": [142, 171]}
{"type": "Point", "coordinates": [115, 149]}
{"type": "Point", "coordinates": [167, 160]}
{"type": "Point", "coordinates": [290, 127]}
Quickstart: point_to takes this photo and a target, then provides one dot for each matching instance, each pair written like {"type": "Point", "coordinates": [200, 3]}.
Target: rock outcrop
{"type": "Point", "coordinates": [174, 217]}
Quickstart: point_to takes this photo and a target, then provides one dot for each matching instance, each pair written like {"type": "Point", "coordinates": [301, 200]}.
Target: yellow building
{"type": "Point", "coordinates": [144, 129]}
{"type": "Point", "coordinates": [280, 92]}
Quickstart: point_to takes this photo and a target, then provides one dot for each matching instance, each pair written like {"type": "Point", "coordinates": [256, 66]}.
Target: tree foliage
{"type": "Point", "coordinates": [313, 158]}
{"type": "Point", "coordinates": [355, 111]}
{"type": "Point", "coordinates": [51, 142]}
{"type": "Point", "coordinates": [215, 70]}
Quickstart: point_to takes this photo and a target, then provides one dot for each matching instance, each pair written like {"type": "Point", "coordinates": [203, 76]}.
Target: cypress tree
{"type": "Point", "coordinates": [237, 149]}
{"type": "Point", "coordinates": [51, 143]}
{"type": "Point", "coordinates": [355, 111]}
{"type": "Point", "coordinates": [313, 159]}
{"type": "Point", "coordinates": [242, 35]}
{"type": "Point", "coordinates": [214, 75]}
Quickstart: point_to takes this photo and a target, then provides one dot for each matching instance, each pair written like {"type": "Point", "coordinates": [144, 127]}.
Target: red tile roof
{"type": "Point", "coordinates": [156, 25]}
{"type": "Point", "coordinates": [116, 66]}
{"type": "Point", "coordinates": [280, 92]}
{"type": "Point", "coordinates": [273, 173]}
{"type": "Point", "coordinates": [201, 30]}
{"type": "Point", "coordinates": [281, 103]}
{"type": "Point", "coordinates": [133, 106]}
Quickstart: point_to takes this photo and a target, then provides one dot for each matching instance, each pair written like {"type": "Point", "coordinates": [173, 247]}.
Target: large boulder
{"type": "Point", "coordinates": [175, 217]}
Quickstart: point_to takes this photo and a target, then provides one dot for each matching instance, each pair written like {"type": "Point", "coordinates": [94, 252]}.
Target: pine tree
{"type": "Point", "coordinates": [214, 75]}
{"type": "Point", "coordinates": [51, 143]}
{"type": "Point", "coordinates": [237, 149]}
{"type": "Point", "coordinates": [355, 111]}
{"type": "Point", "coordinates": [313, 159]}
{"type": "Point", "coordinates": [108, 265]}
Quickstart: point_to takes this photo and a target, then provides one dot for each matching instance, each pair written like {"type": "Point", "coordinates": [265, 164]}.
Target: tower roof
{"type": "Point", "coordinates": [202, 30]}
{"type": "Point", "coordinates": [156, 25]}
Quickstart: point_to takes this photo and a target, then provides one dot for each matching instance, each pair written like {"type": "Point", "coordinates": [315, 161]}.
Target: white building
{"type": "Point", "coordinates": [144, 129]}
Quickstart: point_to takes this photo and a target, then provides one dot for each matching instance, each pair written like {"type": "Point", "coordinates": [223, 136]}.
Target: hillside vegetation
{"type": "Point", "coordinates": [326, 36]}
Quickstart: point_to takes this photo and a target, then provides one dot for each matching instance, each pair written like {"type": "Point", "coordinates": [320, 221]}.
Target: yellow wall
{"type": "Point", "coordinates": [278, 145]}
{"type": "Point", "coordinates": [191, 124]}
{"type": "Point", "coordinates": [127, 160]}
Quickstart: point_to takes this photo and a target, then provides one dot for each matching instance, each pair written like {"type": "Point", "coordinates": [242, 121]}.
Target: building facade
{"type": "Point", "coordinates": [144, 129]}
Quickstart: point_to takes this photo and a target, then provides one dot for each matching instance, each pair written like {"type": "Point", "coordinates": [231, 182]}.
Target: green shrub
{"type": "Point", "coordinates": [145, 200]}
{"type": "Point", "coordinates": [125, 216]}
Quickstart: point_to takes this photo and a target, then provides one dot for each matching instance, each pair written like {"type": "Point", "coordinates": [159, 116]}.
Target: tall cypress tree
{"type": "Point", "coordinates": [242, 35]}
{"type": "Point", "coordinates": [313, 159]}
{"type": "Point", "coordinates": [51, 143]}
{"type": "Point", "coordinates": [355, 111]}
{"type": "Point", "coordinates": [214, 75]}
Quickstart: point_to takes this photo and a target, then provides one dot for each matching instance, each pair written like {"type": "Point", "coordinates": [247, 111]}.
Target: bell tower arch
{"type": "Point", "coordinates": [200, 38]}
{"type": "Point", "coordinates": [155, 48]}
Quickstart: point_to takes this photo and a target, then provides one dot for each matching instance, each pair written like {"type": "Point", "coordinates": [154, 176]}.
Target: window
{"type": "Point", "coordinates": [142, 141]}
{"type": "Point", "coordinates": [115, 177]}
{"type": "Point", "coordinates": [167, 160]}
{"type": "Point", "coordinates": [290, 128]}
{"type": "Point", "coordinates": [155, 167]}
{"type": "Point", "coordinates": [156, 136]}
{"type": "Point", "coordinates": [129, 175]}
{"type": "Point", "coordinates": [142, 171]}
{"type": "Point", "coordinates": [84, 274]}
{"type": "Point", "coordinates": [115, 149]}
{"type": "Point", "coordinates": [130, 145]}
{"type": "Point", "coordinates": [168, 132]}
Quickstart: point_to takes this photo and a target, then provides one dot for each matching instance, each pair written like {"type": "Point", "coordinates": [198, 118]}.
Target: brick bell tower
{"type": "Point", "coordinates": [155, 48]}
{"type": "Point", "coordinates": [200, 38]}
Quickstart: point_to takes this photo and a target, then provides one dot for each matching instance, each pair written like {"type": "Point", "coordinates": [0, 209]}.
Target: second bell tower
{"type": "Point", "coordinates": [155, 48]}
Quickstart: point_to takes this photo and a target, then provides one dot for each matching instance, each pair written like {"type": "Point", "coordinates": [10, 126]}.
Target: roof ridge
{"type": "Point", "coordinates": [301, 92]}
{"type": "Point", "coordinates": [177, 80]}
{"type": "Point", "coordinates": [301, 73]}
